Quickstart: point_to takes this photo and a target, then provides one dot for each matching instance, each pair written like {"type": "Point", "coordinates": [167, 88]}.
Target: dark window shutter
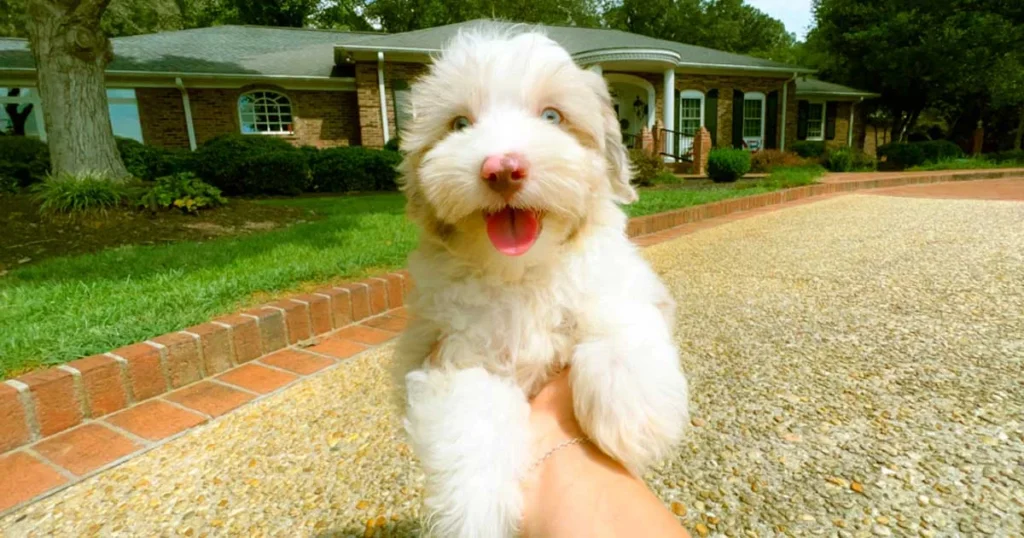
{"type": "Point", "coordinates": [711, 115]}
{"type": "Point", "coordinates": [737, 119]}
{"type": "Point", "coordinates": [677, 136]}
{"type": "Point", "coordinates": [771, 121]}
{"type": "Point", "coordinates": [803, 110]}
{"type": "Point", "coordinates": [830, 120]}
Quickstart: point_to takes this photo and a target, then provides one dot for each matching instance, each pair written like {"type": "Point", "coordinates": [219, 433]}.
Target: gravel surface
{"type": "Point", "coordinates": [856, 368]}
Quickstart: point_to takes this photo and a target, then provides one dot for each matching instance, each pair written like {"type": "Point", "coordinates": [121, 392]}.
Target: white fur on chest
{"type": "Point", "coordinates": [527, 328]}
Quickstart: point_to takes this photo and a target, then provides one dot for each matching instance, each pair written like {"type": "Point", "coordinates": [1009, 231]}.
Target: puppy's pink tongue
{"type": "Point", "coordinates": [513, 231]}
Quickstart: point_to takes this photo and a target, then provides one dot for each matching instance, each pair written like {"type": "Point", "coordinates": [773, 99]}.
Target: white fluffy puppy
{"type": "Point", "coordinates": [513, 169]}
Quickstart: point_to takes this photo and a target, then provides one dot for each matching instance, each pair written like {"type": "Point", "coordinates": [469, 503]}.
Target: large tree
{"type": "Point", "coordinates": [71, 53]}
{"type": "Point", "coordinates": [918, 54]}
{"type": "Point", "coordinates": [406, 15]}
{"type": "Point", "coordinates": [1007, 87]}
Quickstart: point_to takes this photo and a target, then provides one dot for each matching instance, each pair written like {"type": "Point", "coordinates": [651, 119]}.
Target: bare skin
{"type": "Point", "coordinates": [578, 490]}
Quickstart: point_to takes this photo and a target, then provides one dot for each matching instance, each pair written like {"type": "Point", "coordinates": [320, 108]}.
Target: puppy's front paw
{"type": "Point", "coordinates": [630, 394]}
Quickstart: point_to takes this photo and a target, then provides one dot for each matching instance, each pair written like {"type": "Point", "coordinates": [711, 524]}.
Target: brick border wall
{"type": "Point", "coordinates": [45, 402]}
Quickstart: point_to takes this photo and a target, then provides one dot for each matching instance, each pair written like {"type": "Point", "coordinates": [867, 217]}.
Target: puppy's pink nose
{"type": "Point", "coordinates": [504, 174]}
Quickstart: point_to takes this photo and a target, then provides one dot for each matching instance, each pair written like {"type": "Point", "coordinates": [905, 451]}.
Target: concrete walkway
{"type": "Point", "coordinates": [855, 363]}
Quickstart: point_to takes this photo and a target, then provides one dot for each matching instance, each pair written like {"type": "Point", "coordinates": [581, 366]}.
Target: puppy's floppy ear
{"type": "Point", "coordinates": [620, 171]}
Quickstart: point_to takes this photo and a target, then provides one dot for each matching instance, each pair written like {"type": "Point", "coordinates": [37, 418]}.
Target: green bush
{"type": "Point", "coordinates": [150, 162]}
{"type": "Point", "coordinates": [136, 157]}
{"type": "Point", "coordinates": [8, 185]}
{"type": "Point", "coordinates": [234, 162]}
{"type": "Point", "coordinates": [903, 155]}
{"type": "Point", "coordinates": [392, 144]}
{"type": "Point", "coordinates": [808, 149]}
{"type": "Point", "coordinates": [71, 195]}
{"type": "Point", "coordinates": [767, 160]}
{"type": "Point", "coordinates": [1009, 156]}
{"type": "Point", "coordinates": [646, 167]}
{"type": "Point", "coordinates": [354, 168]}
{"type": "Point", "coordinates": [23, 160]}
{"type": "Point", "coordinates": [862, 162]}
{"type": "Point", "coordinates": [728, 165]}
{"type": "Point", "coordinates": [839, 160]}
{"type": "Point", "coordinates": [183, 191]}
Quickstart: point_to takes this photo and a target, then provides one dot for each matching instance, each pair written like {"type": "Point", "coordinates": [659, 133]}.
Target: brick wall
{"type": "Point", "coordinates": [162, 117]}
{"type": "Point", "coordinates": [321, 118]}
{"type": "Point", "coordinates": [368, 97]}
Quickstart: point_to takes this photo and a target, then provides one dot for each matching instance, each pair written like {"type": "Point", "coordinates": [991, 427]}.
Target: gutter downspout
{"type": "Point", "coordinates": [849, 135]}
{"type": "Point", "coordinates": [383, 98]}
{"type": "Point", "coordinates": [188, 113]}
{"type": "Point", "coordinates": [785, 111]}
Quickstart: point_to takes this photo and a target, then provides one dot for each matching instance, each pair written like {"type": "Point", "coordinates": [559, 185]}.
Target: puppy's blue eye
{"type": "Point", "coordinates": [460, 123]}
{"type": "Point", "coordinates": [551, 116]}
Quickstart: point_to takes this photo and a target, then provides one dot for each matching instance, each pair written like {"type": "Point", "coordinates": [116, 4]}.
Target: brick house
{"type": "Point", "coordinates": [327, 88]}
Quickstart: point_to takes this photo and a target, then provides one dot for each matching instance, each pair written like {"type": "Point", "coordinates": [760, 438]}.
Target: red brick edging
{"type": "Point", "coordinates": [63, 423]}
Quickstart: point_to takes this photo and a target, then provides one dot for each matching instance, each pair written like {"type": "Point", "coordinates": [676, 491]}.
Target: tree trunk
{"type": "Point", "coordinates": [1020, 130]}
{"type": "Point", "coordinates": [71, 53]}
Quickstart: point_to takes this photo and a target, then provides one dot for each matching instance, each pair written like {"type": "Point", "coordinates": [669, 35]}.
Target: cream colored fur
{"type": "Point", "coordinates": [581, 296]}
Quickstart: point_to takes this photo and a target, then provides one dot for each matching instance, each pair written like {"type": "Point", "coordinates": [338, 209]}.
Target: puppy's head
{"type": "Point", "coordinates": [513, 151]}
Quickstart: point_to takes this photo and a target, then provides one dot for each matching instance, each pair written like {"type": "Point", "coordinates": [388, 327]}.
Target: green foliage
{"type": "Point", "coordinates": [666, 178]}
{"type": "Point", "coordinates": [728, 165]}
{"type": "Point", "coordinates": [903, 155]}
{"type": "Point", "coordinates": [646, 167]}
{"type": "Point", "coordinates": [183, 191]}
{"type": "Point", "coordinates": [1011, 156]}
{"type": "Point", "coordinates": [76, 195]}
{"type": "Point", "coordinates": [808, 149]}
{"type": "Point", "coordinates": [405, 15]}
{"type": "Point", "coordinates": [23, 160]}
{"type": "Point", "coordinates": [786, 177]}
{"type": "Point", "coordinates": [354, 168]}
{"type": "Point", "coordinates": [252, 165]}
{"type": "Point", "coordinates": [729, 25]}
{"type": "Point", "coordinates": [8, 185]}
{"type": "Point", "coordinates": [392, 144]}
{"type": "Point", "coordinates": [839, 160]}
{"type": "Point", "coordinates": [767, 160]}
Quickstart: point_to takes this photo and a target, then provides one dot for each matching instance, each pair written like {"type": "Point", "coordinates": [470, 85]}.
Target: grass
{"type": "Point", "coordinates": [968, 163]}
{"type": "Point", "coordinates": [658, 200]}
{"type": "Point", "coordinates": [63, 308]}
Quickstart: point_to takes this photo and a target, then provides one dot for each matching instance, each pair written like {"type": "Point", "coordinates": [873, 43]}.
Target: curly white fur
{"type": "Point", "coordinates": [582, 295]}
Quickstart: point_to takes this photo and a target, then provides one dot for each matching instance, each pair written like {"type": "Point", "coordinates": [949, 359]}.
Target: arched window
{"type": "Point", "coordinates": [265, 112]}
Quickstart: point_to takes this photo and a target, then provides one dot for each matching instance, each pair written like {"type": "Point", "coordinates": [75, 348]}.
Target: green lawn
{"type": "Point", "coordinates": [64, 308]}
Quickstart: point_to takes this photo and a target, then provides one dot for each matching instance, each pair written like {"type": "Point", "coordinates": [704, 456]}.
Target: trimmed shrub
{"type": "Point", "coordinates": [354, 168]}
{"type": "Point", "coordinates": [183, 191]}
{"type": "Point", "coordinates": [74, 195]}
{"type": "Point", "coordinates": [768, 159]}
{"type": "Point", "coordinates": [393, 144]}
{"type": "Point", "coordinates": [903, 155]}
{"type": "Point", "coordinates": [808, 149]}
{"type": "Point", "coordinates": [233, 163]}
{"type": "Point", "coordinates": [8, 185]}
{"type": "Point", "coordinates": [1009, 156]}
{"type": "Point", "coordinates": [646, 167]}
{"type": "Point", "coordinates": [23, 161]}
{"type": "Point", "coordinates": [136, 157]}
{"type": "Point", "coordinates": [728, 165]}
{"type": "Point", "coordinates": [940, 150]}
{"type": "Point", "coordinates": [862, 162]}
{"type": "Point", "coordinates": [839, 160]}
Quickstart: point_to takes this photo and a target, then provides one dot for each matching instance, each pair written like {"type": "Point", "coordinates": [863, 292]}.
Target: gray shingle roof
{"type": "Point", "coordinates": [813, 86]}
{"type": "Point", "coordinates": [231, 50]}
{"type": "Point", "coordinates": [577, 41]}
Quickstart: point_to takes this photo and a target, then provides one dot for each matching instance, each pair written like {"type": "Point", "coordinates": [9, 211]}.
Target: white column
{"type": "Point", "coordinates": [849, 134]}
{"type": "Point", "coordinates": [383, 98]}
{"type": "Point", "coordinates": [669, 107]}
{"type": "Point", "coordinates": [597, 69]}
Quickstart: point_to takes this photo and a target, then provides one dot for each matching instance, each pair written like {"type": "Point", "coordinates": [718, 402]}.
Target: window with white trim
{"type": "Point", "coordinates": [265, 112]}
{"type": "Point", "coordinates": [691, 112]}
{"type": "Point", "coordinates": [815, 121]}
{"type": "Point", "coordinates": [124, 113]}
{"type": "Point", "coordinates": [753, 120]}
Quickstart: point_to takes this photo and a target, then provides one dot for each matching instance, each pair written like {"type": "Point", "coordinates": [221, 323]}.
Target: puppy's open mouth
{"type": "Point", "coordinates": [512, 230]}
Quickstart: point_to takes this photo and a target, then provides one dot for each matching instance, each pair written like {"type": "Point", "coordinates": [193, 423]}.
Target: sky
{"type": "Point", "coordinates": [795, 14]}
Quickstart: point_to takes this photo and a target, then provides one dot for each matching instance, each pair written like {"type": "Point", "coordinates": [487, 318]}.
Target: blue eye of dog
{"type": "Point", "coordinates": [551, 116]}
{"type": "Point", "coordinates": [461, 123]}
